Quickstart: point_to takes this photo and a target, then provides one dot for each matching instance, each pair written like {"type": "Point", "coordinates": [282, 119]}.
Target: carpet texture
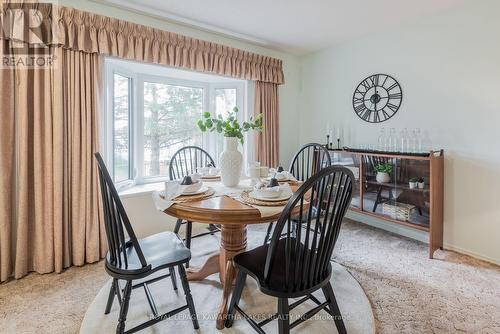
{"type": "Point", "coordinates": [409, 293]}
{"type": "Point", "coordinates": [353, 303]}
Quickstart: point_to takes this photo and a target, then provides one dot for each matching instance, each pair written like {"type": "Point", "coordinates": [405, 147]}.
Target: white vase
{"type": "Point", "coordinates": [383, 177]}
{"type": "Point", "coordinates": [230, 162]}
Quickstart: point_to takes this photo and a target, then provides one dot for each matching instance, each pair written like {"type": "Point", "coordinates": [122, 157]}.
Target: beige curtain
{"type": "Point", "coordinates": [267, 142]}
{"type": "Point", "coordinates": [49, 198]}
{"type": "Point", "coordinates": [92, 33]}
{"type": "Point", "coordinates": [6, 166]}
{"type": "Point", "coordinates": [54, 210]}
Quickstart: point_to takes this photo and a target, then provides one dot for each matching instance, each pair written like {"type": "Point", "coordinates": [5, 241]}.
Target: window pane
{"type": "Point", "coordinates": [121, 133]}
{"type": "Point", "coordinates": [225, 100]}
{"type": "Point", "coordinates": [170, 116]}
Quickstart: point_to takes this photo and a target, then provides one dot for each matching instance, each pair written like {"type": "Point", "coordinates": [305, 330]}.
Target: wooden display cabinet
{"type": "Point", "coordinates": [395, 201]}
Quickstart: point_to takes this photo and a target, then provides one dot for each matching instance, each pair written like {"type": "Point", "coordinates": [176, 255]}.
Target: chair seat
{"type": "Point", "coordinates": [160, 250]}
{"type": "Point", "coordinates": [253, 263]}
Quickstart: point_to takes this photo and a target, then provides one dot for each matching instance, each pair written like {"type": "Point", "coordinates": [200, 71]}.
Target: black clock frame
{"type": "Point", "coordinates": [377, 98]}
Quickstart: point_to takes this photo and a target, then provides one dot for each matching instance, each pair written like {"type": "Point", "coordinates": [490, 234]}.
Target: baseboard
{"type": "Point", "coordinates": [471, 253]}
{"type": "Point", "coordinates": [413, 234]}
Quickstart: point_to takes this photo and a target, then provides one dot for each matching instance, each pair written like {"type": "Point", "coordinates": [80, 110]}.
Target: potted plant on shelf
{"type": "Point", "coordinates": [230, 160]}
{"type": "Point", "coordinates": [421, 183]}
{"type": "Point", "coordinates": [412, 183]}
{"type": "Point", "coordinates": [384, 171]}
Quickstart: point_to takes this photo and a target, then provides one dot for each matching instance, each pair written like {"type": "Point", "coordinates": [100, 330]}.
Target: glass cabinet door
{"type": "Point", "coordinates": [352, 162]}
{"type": "Point", "coordinates": [402, 193]}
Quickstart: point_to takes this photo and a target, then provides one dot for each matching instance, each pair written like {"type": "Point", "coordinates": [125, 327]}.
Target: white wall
{"type": "Point", "coordinates": [449, 68]}
{"type": "Point", "coordinates": [140, 208]}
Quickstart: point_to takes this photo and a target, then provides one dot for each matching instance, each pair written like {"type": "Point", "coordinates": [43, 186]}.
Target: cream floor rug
{"type": "Point", "coordinates": [353, 303]}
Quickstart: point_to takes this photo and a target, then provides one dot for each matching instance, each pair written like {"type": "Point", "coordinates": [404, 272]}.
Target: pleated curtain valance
{"type": "Point", "coordinates": [92, 33]}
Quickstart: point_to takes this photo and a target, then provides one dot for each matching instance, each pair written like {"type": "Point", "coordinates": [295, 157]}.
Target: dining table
{"type": "Point", "coordinates": [225, 208]}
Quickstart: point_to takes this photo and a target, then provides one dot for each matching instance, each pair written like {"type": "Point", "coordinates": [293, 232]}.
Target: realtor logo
{"type": "Point", "coordinates": [27, 28]}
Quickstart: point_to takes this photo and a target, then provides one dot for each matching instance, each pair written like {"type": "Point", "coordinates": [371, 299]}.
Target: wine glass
{"type": "Point", "coordinates": [382, 140]}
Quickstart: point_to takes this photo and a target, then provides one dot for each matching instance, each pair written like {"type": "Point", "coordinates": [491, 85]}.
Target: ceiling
{"type": "Point", "coordinates": [296, 26]}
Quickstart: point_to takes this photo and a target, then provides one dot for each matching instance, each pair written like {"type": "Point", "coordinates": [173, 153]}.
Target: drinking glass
{"type": "Point", "coordinates": [418, 140]}
{"type": "Point", "coordinates": [404, 140]}
{"type": "Point", "coordinates": [382, 140]}
{"type": "Point", "coordinates": [392, 140]}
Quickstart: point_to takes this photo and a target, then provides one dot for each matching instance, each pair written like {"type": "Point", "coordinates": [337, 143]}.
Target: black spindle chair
{"type": "Point", "coordinates": [184, 162]}
{"type": "Point", "coordinates": [296, 265]}
{"type": "Point", "coordinates": [309, 160]}
{"type": "Point", "coordinates": [129, 259]}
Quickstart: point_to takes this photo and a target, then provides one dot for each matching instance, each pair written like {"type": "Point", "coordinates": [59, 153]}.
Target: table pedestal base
{"type": "Point", "coordinates": [233, 242]}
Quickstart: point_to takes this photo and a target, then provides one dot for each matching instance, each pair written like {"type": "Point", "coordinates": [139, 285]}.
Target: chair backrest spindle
{"type": "Point", "coordinates": [187, 160]}
{"type": "Point", "coordinates": [309, 160]}
{"type": "Point", "coordinates": [309, 249]}
{"type": "Point", "coordinates": [115, 220]}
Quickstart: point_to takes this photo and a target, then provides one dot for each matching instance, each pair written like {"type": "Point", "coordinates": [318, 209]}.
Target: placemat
{"type": "Point", "coordinates": [191, 198]}
{"type": "Point", "coordinates": [246, 198]}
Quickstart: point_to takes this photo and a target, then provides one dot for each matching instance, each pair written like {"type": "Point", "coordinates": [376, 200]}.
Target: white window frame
{"type": "Point", "coordinates": [136, 118]}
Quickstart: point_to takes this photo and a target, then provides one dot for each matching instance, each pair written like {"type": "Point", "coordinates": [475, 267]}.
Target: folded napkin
{"type": "Point", "coordinates": [164, 199]}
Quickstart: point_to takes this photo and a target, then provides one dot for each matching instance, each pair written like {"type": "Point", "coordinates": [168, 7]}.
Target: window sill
{"type": "Point", "coordinates": [141, 189]}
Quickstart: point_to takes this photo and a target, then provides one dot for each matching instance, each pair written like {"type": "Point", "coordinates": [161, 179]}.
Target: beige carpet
{"type": "Point", "coordinates": [409, 293]}
{"type": "Point", "coordinates": [353, 303]}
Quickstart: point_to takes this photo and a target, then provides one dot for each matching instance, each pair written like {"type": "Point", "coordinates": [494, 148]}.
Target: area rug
{"type": "Point", "coordinates": [353, 303]}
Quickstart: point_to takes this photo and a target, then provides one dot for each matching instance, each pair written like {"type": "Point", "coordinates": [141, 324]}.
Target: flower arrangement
{"type": "Point", "coordinates": [229, 127]}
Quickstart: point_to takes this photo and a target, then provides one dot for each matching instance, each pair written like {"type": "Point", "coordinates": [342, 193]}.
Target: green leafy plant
{"type": "Point", "coordinates": [420, 179]}
{"type": "Point", "coordinates": [384, 168]}
{"type": "Point", "coordinates": [413, 179]}
{"type": "Point", "coordinates": [229, 127]}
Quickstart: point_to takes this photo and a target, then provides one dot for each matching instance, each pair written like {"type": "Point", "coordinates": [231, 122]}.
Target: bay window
{"type": "Point", "coordinates": [152, 112]}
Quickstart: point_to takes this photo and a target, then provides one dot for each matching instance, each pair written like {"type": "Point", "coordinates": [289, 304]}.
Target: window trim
{"type": "Point", "coordinates": [136, 117]}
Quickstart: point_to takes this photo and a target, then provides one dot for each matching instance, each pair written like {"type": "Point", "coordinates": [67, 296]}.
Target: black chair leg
{"type": "Point", "coordinates": [212, 228]}
{"type": "Point", "coordinates": [189, 232]}
{"type": "Point", "coordinates": [283, 316]}
{"type": "Point", "coordinates": [334, 308]}
{"type": "Point", "coordinates": [178, 225]}
{"type": "Point", "coordinates": [173, 278]}
{"type": "Point", "coordinates": [235, 299]}
{"type": "Point", "coordinates": [378, 199]}
{"type": "Point", "coordinates": [111, 296]}
{"type": "Point", "coordinates": [120, 329]}
{"type": "Point", "coordinates": [268, 233]}
{"type": "Point", "coordinates": [189, 298]}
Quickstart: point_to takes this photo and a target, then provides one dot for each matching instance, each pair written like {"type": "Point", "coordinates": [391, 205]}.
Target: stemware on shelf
{"type": "Point", "coordinates": [382, 140]}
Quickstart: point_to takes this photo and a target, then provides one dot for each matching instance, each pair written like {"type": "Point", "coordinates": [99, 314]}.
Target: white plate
{"type": "Point", "coordinates": [196, 192]}
{"type": "Point", "coordinates": [282, 197]}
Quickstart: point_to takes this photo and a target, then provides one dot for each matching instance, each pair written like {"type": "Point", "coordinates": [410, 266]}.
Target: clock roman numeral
{"type": "Point", "coordinates": [360, 108]}
{"type": "Point", "coordinates": [358, 100]}
{"type": "Point", "coordinates": [377, 117]}
{"type": "Point", "coordinates": [392, 86]}
{"type": "Point", "coordinates": [393, 107]}
{"type": "Point", "coordinates": [366, 84]}
{"type": "Point", "coordinates": [375, 79]}
{"type": "Point", "coordinates": [366, 115]}
{"type": "Point", "coordinates": [386, 115]}
{"type": "Point", "coordinates": [395, 96]}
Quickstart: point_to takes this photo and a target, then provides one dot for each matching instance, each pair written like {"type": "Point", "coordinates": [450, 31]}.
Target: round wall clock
{"type": "Point", "coordinates": [377, 98]}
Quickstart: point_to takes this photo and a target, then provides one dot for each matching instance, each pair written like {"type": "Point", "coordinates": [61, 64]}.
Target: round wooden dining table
{"type": "Point", "coordinates": [233, 216]}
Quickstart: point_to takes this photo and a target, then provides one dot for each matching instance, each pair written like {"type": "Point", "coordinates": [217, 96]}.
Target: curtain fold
{"type": "Point", "coordinates": [7, 170]}
{"type": "Point", "coordinates": [92, 33]}
{"type": "Point", "coordinates": [267, 142]}
{"type": "Point", "coordinates": [54, 212]}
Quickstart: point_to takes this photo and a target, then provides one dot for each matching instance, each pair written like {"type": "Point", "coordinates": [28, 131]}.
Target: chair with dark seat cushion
{"type": "Point", "coordinates": [129, 259]}
{"type": "Point", "coordinates": [297, 265]}
{"type": "Point", "coordinates": [184, 162]}
{"type": "Point", "coordinates": [309, 160]}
